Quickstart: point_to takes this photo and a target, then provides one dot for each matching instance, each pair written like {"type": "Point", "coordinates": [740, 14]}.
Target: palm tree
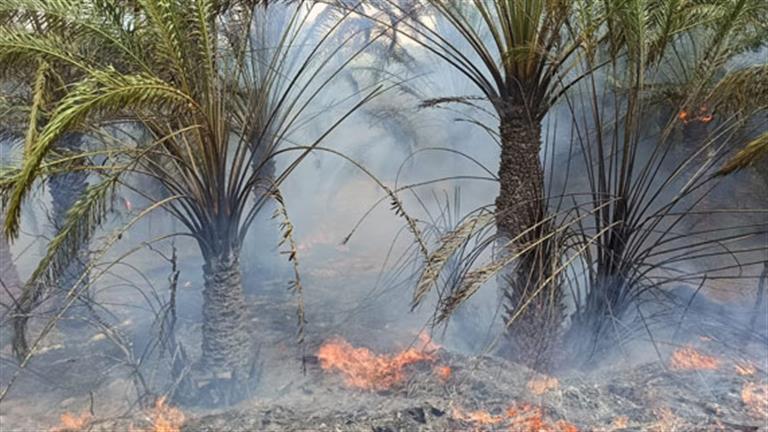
{"type": "Point", "coordinates": [535, 53]}
{"type": "Point", "coordinates": [183, 72]}
{"type": "Point", "coordinates": [520, 55]}
{"type": "Point", "coordinates": [65, 188]}
{"type": "Point", "coordinates": [637, 204]}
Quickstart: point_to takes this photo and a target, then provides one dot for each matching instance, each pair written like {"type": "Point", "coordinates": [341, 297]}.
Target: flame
{"type": "Point", "coordinates": [621, 422]}
{"type": "Point", "coordinates": [703, 116]}
{"type": "Point", "coordinates": [666, 421]}
{"type": "Point", "coordinates": [164, 418]}
{"type": "Point", "coordinates": [542, 384]}
{"type": "Point", "coordinates": [443, 372]}
{"type": "Point", "coordinates": [364, 369]}
{"type": "Point", "coordinates": [479, 417]}
{"type": "Point", "coordinates": [755, 396]}
{"type": "Point", "coordinates": [517, 418]}
{"type": "Point", "coordinates": [745, 368]}
{"type": "Point", "coordinates": [71, 423]}
{"type": "Point", "coordinates": [687, 358]}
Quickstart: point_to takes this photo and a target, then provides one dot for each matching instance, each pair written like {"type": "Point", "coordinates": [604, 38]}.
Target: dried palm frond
{"type": "Point", "coordinates": [745, 157]}
{"type": "Point", "coordinates": [286, 227]}
{"type": "Point", "coordinates": [449, 243]}
{"type": "Point", "coordinates": [742, 91]}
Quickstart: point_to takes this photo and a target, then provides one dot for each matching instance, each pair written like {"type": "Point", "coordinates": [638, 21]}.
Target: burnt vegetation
{"type": "Point", "coordinates": [575, 189]}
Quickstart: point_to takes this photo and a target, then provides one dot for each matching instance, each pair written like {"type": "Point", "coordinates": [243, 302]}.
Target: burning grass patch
{"type": "Point", "coordinates": [688, 358]}
{"type": "Point", "coordinates": [363, 369]}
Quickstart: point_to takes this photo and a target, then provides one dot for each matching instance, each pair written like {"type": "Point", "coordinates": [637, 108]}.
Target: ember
{"type": "Point", "coordinates": [542, 384]}
{"type": "Point", "coordinates": [477, 418]}
{"type": "Point", "coordinates": [687, 358]}
{"type": "Point", "coordinates": [621, 422]}
{"type": "Point", "coordinates": [703, 116]}
{"type": "Point", "coordinates": [164, 418]}
{"type": "Point", "coordinates": [745, 368]}
{"type": "Point", "coordinates": [364, 369]}
{"type": "Point", "coordinates": [73, 423]}
{"type": "Point", "coordinates": [443, 372]}
{"type": "Point", "coordinates": [517, 418]}
{"type": "Point", "coordinates": [755, 396]}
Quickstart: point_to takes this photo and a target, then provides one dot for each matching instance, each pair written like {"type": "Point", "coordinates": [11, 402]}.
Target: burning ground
{"type": "Point", "coordinates": [391, 378]}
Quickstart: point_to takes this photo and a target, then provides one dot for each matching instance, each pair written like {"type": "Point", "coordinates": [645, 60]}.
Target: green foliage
{"type": "Point", "coordinates": [188, 75]}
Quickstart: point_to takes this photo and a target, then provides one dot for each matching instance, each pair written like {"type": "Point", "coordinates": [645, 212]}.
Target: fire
{"type": "Point", "coordinates": [666, 421]}
{"type": "Point", "coordinates": [755, 396]}
{"type": "Point", "coordinates": [478, 418]}
{"type": "Point", "coordinates": [164, 418]}
{"type": "Point", "coordinates": [687, 358]}
{"type": "Point", "coordinates": [73, 423]}
{"type": "Point", "coordinates": [703, 116]}
{"type": "Point", "coordinates": [443, 372]}
{"type": "Point", "coordinates": [745, 368]}
{"type": "Point", "coordinates": [517, 418]}
{"type": "Point", "coordinates": [364, 369]}
{"type": "Point", "coordinates": [621, 422]}
{"type": "Point", "coordinates": [542, 384]}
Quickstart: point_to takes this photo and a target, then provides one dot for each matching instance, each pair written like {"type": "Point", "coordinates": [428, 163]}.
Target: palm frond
{"type": "Point", "coordinates": [82, 220]}
{"type": "Point", "coordinates": [106, 92]}
{"type": "Point", "coordinates": [448, 245]}
{"type": "Point", "coordinates": [745, 157]}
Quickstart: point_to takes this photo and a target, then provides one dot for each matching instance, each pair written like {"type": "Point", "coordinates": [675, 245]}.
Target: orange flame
{"type": "Point", "coordinates": [164, 418]}
{"type": "Point", "coordinates": [542, 384]}
{"type": "Point", "coordinates": [745, 368]}
{"type": "Point", "coordinates": [479, 417]}
{"type": "Point", "coordinates": [703, 116]}
{"type": "Point", "coordinates": [443, 372]}
{"type": "Point", "coordinates": [620, 422]}
{"type": "Point", "coordinates": [687, 358]}
{"type": "Point", "coordinates": [666, 420]}
{"type": "Point", "coordinates": [755, 396]}
{"type": "Point", "coordinates": [72, 423]}
{"type": "Point", "coordinates": [517, 418]}
{"type": "Point", "coordinates": [364, 369]}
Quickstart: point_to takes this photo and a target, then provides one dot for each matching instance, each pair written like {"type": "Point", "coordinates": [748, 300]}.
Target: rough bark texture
{"type": "Point", "coordinates": [65, 190]}
{"type": "Point", "coordinates": [521, 178]}
{"type": "Point", "coordinates": [226, 342]}
{"type": "Point", "coordinates": [533, 314]}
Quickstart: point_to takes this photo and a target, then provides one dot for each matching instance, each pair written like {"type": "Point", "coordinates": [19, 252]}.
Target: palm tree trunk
{"type": "Point", "coordinates": [533, 312]}
{"type": "Point", "coordinates": [66, 189]}
{"type": "Point", "coordinates": [519, 204]}
{"type": "Point", "coordinates": [226, 341]}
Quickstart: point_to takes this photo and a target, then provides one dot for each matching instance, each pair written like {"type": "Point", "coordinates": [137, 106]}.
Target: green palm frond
{"type": "Point", "coordinates": [105, 92]}
{"type": "Point", "coordinates": [82, 220]}
{"type": "Point", "coordinates": [21, 49]}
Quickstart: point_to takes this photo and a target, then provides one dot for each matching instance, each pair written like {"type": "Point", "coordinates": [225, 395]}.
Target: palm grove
{"type": "Point", "coordinates": [202, 96]}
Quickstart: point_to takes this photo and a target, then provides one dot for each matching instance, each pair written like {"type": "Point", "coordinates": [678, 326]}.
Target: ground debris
{"type": "Point", "coordinates": [490, 394]}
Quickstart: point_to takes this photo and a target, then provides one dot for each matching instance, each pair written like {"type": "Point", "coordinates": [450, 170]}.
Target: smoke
{"type": "Point", "coordinates": [362, 287]}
